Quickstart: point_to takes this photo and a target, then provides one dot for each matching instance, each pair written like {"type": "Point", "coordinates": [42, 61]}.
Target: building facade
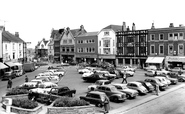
{"type": "Point", "coordinates": [87, 47]}
{"type": "Point", "coordinates": [131, 46]}
{"type": "Point", "coordinates": [107, 43]}
{"type": "Point", "coordinates": [42, 48]}
{"type": "Point", "coordinates": [51, 51]}
{"type": "Point", "coordinates": [166, 46]}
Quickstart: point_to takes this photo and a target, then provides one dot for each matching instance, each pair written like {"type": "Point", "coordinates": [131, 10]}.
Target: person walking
{"type": "Point", "coordinates": [9, 85]}
{"type": "Point", "coordinates": [26, 78]}
{"type": "Point", "coordinates": [156, 86]}
{"type": "Point", "coordinates": [124, 77]}
{"type": "Point", "coordinates": [106, 105]}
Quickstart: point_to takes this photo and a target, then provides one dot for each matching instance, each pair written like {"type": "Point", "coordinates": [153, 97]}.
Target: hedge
{"type": "Point", "coordinates": [24, 103]}
{"type": "Point", "coordinates": [16, 91]}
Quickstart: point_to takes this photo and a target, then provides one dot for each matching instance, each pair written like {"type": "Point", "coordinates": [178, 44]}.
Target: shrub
{"type": "Point", "coordinates": [16, 91]}
{"type": "Point", "coordinates": [24, 103]}
{"type": "Point", "coordinates": [69, 102]}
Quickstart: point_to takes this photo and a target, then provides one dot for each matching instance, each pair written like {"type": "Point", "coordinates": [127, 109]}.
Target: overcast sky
{"type": "Point", "coordinates": [34, 19]}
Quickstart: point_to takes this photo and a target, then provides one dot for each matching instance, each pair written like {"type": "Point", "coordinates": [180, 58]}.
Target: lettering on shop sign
{"type": "Point", "coordinates": [180, 59]}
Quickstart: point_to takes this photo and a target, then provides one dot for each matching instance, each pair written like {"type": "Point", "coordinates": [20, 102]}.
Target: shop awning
{"type": "Point", "coordinates": [18, 64]}
{"type": "Point", "coordinates": [10, 64]}
{"type": "Point", "coordinates": [154, 59]}
{"type": "Point", "coordinates": [2, 66]}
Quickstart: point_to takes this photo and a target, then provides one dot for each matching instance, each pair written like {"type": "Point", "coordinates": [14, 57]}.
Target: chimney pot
{"type": "Point", "coordinates": [124, 27]}
{"type": "Point", "coordinates": [17, 34]}
{"type": "Point", "coordinates": [180, 25]}
{"type": "Point", "coordinates": [171, 25]}
{"type": "Point", "coordinates": [133, 27]}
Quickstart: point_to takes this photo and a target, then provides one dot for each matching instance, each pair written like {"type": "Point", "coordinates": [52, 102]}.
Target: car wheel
{"type": "Point", "coordinates": [98, 105]}
{"type": "Point", "coordinates": [92, 89]}
{"type": "Point", "coordinates": [60, 75]}
{"type": "Point", "coordinates": [115, 99]}
{"type": "Point", "coordinates": [127, 96]}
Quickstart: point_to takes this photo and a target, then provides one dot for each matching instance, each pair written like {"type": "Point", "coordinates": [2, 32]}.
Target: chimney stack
{"type": "Point", "coordinates": [133, 27]}
{"type": "Point", "coordinates": [82, 28]}
{"type": "Point", "coordinates": [171, 25]}
{"type": "Point", "coordinates": [17, 34]}
{"type": "Point", "coordinates": [153, 27]}
{"type": "Point", "coordinates": [180, 25]}
{"type": "Point", "coordinates": [128, 29]}
{"type": "Point", "coordinates": [124, 27]}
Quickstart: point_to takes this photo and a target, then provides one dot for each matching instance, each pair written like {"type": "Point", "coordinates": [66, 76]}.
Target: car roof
{"type": "Point", "coordinates": [159, 77]}
{"type": "Point", "coordinates": [107, 86]}
{"type": "Point", "coordinates": [151, 78]}
{"type": "Point", "coordinates": [135, 82]}
{"type": "Point", "coordinates": [103, 80]}
{"type": "Point", "coordinates": [97, 92]}
{"type": "Point", "coordinates": [118, 84]}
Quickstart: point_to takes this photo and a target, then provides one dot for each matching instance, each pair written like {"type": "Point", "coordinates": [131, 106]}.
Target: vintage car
{"type": "Point", "coordinates": [98, 83]}
{"type": "Point", "coordinates": [83, 70]}
{"type": "Point", "coordinates": [130, 93]}
{"type": "Point", "coordinates": [128, 72]}
{"type": "Point", "coordinates": [172, 80]}
{"type": "Point", "coordinates": [137, 86]}
{"type": "Point", "coordinates": [129, 68]}
{"type": "Point", "coordinates": [180, 78]}
{"type": "Point", "coordinates": [44, 87]}
{"type": "Point", "coordinates": [87, 74]}
{"type": "Point", "coordinates": [53, 79]}
{"type": "Point", "coordinates": [150, 73]}
{"type": "Point", "coordinates": [7, 75]}
{"type": "Point", "coordinates": [162, 72]}
{"type": "Point", "coordinates": [59, 72]}
{"type": "Point", "coordinates": [95, 97]}
{"type": "Point", "coordinates": [107, 74]}
{"type": "Point", "coordinates": [147, 85]}
{"type": "Point", "coordinates": [163, 80]}
{"type": "Point", "coordinates": [112, 92]}
{"type": "Point", "coordinates": [155, 81]}
{"type": "Point", "coordinates": [28, 85]}
{"type": "Point", "coordinates": [94, 77]}
{"type": "Point", "coordinates": [175, 69]}
{"type": "Point", "coordinates": [151, 67]}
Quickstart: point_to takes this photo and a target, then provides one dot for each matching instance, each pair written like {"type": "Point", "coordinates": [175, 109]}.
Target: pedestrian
{"type": "Point", "coordinates": [26, 78]}
{"type": "Point", "coordinates": [124, 77]}
{"type": "Point", "coordinates": [9, 85]}
{"type": "Point", "coordinates": [156, 86]}
{"type": "Point", "coordinates": [106, 105]}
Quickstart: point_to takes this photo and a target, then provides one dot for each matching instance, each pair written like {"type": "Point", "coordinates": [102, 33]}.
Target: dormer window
{"type": "Point", "coordinates": [106, 33]}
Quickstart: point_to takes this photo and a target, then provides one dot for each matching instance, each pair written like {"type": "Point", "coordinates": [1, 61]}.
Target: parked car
{"type": "Point", "coordinates": [107, 74]}
{"type": "Point", "coordinates": [163, 80]}
{"type": "Point", "coordinates": [87, 74]}
{"type": "Point", "coordinates": [137, 86]}
{"type": "Point", "coordinates": [28, 85]}
{"type": "Point", "coordinates": [129, 68]}
{"type": "Point", "coordinates": [98, 83]}
{"type": "Point", "coordinates": [180, 78]}
{"type": "Point", "coordinates": [53, 79]}
{"type": "Point", "coordinates": [113, 94]}
{"type": "Point", "coordinates": [95, 97]}
{"type": "Point", "coordinates": [7, 75]}
{"type": "Point", "coordinates": [147, 85]}
{"type": "Point", "coordinates": [162, 72]}
{"type": "Point", "coordinates": [83, 70]}
{"type": "Point", "coordinates": [44, 87]}
{"type": "Point", "coordinates": [130, 93]}
{"type": "Point", "coordinates": [150, 73]}
{"type": "Point", "coordinates": [128, 72]}
{"type": "Point", "coordinates": [175, 69]}
{"type": "Point", "coordinates": [155, 81]}
{"type": "Point", "coordinates": [172, 80]}
{"type": "Point", "coordinates": [94, 77]}
{"type": "Point", "coordinates": [59, 72]}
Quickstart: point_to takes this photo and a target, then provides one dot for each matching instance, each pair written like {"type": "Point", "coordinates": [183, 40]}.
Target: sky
{"type": "Point", "coordinates": [34, 19]}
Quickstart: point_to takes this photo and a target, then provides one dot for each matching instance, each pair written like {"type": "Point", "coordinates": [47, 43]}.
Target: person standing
{"type": "Point", "coordinates": [156, 89]}
{"type": "Point", "coordinates": [26, 78]}
{"type": "Point", "coordinates": [106, 105]}
{"type": "Point", "coordinates": [124, 77]}
{"type": "Point", "coordinates": [9, 85]}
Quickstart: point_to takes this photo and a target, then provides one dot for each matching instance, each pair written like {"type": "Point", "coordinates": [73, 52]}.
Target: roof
{"type": "Point", "coordinates": [46, 41]}
{"type": "Point", "coordinates": [88, 34]}
{"type": "Point", "coordinates": [51, 42]}
{"type": "Point", "coordinates": [114, 27]}
{"type": "Point", "coordinates": [7, 36]}
{"type": "Point", "coordinates": [118, 84]}
{"type": "Point", "coordinates": [96, 92]}
{"type": "Point", "coordinates": [135, 82]}
{"type": "Point", "coordinates": [167, 28]}
{"type": "Point", "coordinates": [53, 32]}
{"type": "Point", "coordinates": [77, 32]}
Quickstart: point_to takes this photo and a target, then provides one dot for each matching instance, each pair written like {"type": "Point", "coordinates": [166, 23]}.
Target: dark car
{"type": "Point", "coordinates": [94, 77]}
{"type": "Point", "coordinates": [95, 97]}
{"type": "Point", "coordinates": [180, 78]}
{"type": "Point", "coordinates": [147, 85]}
{"type": "Point", "coordinates": [7, 75]}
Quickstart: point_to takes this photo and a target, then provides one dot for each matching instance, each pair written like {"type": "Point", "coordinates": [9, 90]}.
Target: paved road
{"type": "Point", "coordinates": [172, 103]}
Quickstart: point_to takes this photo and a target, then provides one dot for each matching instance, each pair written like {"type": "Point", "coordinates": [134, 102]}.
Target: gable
{"type": "Point", "coordinates": [67, 39]}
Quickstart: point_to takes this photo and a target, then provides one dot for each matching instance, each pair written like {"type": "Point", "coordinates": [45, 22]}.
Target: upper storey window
{"type": "Point", "coordinates": [161, 36]}
{"type": "Point", "coordinates": [152, 37]}
{"type": "Point", "coordinates": [106, 43]}
{"type": "Point", "coordinates": [106, 33]}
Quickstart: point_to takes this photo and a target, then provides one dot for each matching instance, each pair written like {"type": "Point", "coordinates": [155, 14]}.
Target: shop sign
{"type": "Point", "coordinates": [175, 59]}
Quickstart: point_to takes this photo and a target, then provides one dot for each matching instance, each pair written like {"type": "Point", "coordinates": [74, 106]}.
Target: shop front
{"type": "Point", "coordinates": [175, 61]}
{"type": "Point", "coordinates": [86, 58]}
{"type": "Point", "coordinates": [156, 61]}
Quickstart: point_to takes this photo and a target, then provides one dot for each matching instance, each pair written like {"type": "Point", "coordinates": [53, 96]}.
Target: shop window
{"type": "Point", "coordinates": [152, 49]}
{"type": "Point", "coordinates": [181, 48]}
{"type": "Point", "coordinates": [161, 49]}
{"type": "Point", "coordinates": [170, 48]}
{"type": "Point", "coordinates": [152, 37]}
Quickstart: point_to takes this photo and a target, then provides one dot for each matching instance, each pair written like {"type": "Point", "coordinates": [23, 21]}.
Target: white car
{"type": "Point", "coordinates": [58, 72]}
{"type": "Point", "coordinates": [162, 72]}
{"type": "Point", "coordinates": [163, 80]}
{"type": "Point", "coordinates": [151, 67]}
{"type": "Point", "coordinates": [128, 72]}
{"type": "Point", "coordinates": [87, 74]}
{"type": "Point", "coordinates": [130, 93]}
{"type": "Point", "coordinates": [98, 83]}
{"type": "Point", "coordinates": [129, 68]}
{"type": "Point", "coordinates": [137, 86]}
{"type": "Point", "coordinates": [84, 70]}
{"type": "Point", "coordinates": [44, 88]}
{"type": "Point", "coordinates": [150, 73]}
{"type": "Point", "coordinates": [42, 75]}
{"type": "Point", "coordinates": [107, 74]}
{"type": "Point", "coordinates": [49, 79]}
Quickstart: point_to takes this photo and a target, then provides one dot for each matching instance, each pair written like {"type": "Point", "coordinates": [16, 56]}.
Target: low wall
{"type": "Point", "coordinates": [19, 110]}
{"type": "Point", "coordinates": [90, 109]}
{"type": "Point", "coordinates": [21, 96]}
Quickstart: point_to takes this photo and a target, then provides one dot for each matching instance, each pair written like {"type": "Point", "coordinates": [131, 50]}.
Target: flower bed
{"type": "Point", "coordinates": [66, 105]}
{"type": "Point", "coordinates": [25, 106]}
{"type": "Point", "coordinates": [15, 96]}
